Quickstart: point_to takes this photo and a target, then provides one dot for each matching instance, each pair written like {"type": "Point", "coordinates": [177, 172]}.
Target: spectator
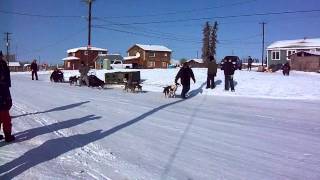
{"type": "Point", "coordinates": [34, 69]}
{"type": "Point", "coordinates": [5, 100]}
{"type": "Point", "coordinates": [250, 61]}
{"type": "Point", "coordinates": [286, 69]}
{"type": "Point", "coordinates": [212, 72]}
{"type": "Point", "coordinates": [228, 67]}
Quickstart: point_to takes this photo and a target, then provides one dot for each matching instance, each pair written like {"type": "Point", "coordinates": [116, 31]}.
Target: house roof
{"type": "Point", "coordinates": [14, 64]}
{"type": "Point", "coordinates": [70, 58]}
{"type": "Point", "coordinates": [153, 48]}
{"type": "Point", "coordinates": [298, 43]}
{"type": "Point", "coordinates": [84, 49]}
{"type": "Point", "coordinates": [196, 60]}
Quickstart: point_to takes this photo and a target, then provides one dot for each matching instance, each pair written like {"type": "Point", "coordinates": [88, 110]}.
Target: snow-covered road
{"type": "Point", "coordinates": [67, 132]}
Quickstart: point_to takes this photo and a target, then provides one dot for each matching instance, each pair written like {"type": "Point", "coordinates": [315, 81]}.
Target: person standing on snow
{"type": "Point", "coordinates": [250, 61]}
{"type": "Point", "coordinates": [228, 66]}
{"type": "Point", "coordinates": [84, 69]}
{"type": "Point", "coordinates": [34, 69]}
{"type": "Point", "coordinates": [212, 72]}
{"type": "Point", "coordinates": [5, 100]}
{"type": "Point", "coordinates": [286, 69]}
{"type": "Point", "coordinates": [185, 74]}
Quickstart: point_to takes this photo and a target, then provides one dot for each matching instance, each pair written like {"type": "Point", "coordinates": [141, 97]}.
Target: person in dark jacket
{"type": "Point", "coordinates": [56, 76]}
{"type": "Point", "coordinates": [185, 74]}
{"type": "Point", "coordinates": [5, 100]}
{"type": "Point", "coordinates": [34, 69]}
{"type": "Point", "coordinates": [212, 72]}
{"type": "Point", "coordinates": [228, 66]}
{"type": "Point", "coordinates": [250, 61]}
{"type": "Point", "coordinates": [286, 69]}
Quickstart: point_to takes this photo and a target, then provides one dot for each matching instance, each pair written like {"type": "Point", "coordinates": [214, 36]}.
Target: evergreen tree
{"type": "Point", "coordinates": [206, 42]}
{"type": "Point", "coordinates": [213, 39]}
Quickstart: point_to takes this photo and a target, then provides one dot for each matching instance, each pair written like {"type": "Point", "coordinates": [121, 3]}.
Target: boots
{"type": "Point", "coordinates": [8, 137]}
{"type": "Point", "coordinates": [1, 137]}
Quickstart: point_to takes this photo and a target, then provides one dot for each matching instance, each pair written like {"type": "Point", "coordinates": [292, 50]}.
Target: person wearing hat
{"type": "Point", "coordinates": [5, 100]}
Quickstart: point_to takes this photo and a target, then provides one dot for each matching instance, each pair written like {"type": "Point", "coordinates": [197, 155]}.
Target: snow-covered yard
{"type": "Point", "coordinates": [299, 85]}
{"type": "Point", "coordinates": [70, 132]}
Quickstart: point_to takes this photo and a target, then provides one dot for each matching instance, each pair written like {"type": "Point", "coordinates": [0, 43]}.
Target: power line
{"type": "Point", "coordinates": [55, 43]}
{"type": "Point", "coordinates": [39, 15]}
{"type": "Point", "coordinates": [220, 17]}
{"type": "Point", "coordinates": [146, 35]}
{"type": "Point", "coordinates": [182, 12]}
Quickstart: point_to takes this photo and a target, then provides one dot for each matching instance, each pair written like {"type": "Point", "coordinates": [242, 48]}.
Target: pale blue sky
{"type": "Point", "coordinates": [50, 37]}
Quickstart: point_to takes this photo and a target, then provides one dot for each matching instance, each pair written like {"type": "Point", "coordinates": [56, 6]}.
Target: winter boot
{"type": "Point", "coordinates": [1, 137]}
{"type": "Point", "coordinates": [9, 137]}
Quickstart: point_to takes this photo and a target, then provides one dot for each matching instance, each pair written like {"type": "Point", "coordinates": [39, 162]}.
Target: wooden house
{"type": "Point", "coordinates": [279, 51]}
{"type": "Point", "coordinates": [148, 56]}
{"type": "Point", "coordinates": [305, 61]}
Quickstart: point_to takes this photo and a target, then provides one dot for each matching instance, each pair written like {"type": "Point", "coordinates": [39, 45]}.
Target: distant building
{"type": "Point", "coordinates": [111, 57]}
{"type": "Point", "coordinates": [86, 54]}
{"type": "Point", "coordinates": [15, 66]}
{"type": "Point", "coordinates": [196, 63]}
{"type": "Point", "coordinates": [148, 56]}
{"type": "Point", "coordinates": [279, 51]}
{"type": "Point", "coordinates": [305, 61]}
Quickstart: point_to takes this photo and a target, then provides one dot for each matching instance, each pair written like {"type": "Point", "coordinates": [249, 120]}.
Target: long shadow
{"type": "Point", "coordinates": [31, 133]}
{"type": "Point", "coordinates": [61, 108]}
{"type": "Point", "coordinates": [218, 82]}
{"type": "Point", "coordinates": [56, 147]}
{"type": "Point", "coordinates": [182, 137]}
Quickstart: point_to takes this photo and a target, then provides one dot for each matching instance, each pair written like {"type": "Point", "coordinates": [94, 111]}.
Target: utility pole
{"type": "Point", "coordinates": [89, 21]}
{"type": "Point", "coordinates": [7, 45]}
{"type": "Point", "coordinates": [262, 57]}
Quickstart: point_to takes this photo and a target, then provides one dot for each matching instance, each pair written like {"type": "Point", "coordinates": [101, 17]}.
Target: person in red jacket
{"type": "Point", "coordinates": [5, 100]}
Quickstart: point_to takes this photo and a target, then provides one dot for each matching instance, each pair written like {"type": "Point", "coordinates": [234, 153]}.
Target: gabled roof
{"type": "Point", "coordinates": [298, 43]}
{"type": "Point", "coordinates": [85, 48]}
{"type": "Point", "coordinates": [153, 48]}
{"type": "Point", "coordinates": [196, 60]}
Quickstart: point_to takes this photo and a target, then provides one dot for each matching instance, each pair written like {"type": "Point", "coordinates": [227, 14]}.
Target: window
{"type": "Point", "coordinates": [275, 55]}
{"type": "Point", "coordinates": [73, 54]}
{"type": "Point", "coordinates": [165, 54]}
{"type": "Point", "coordinates": [151, 64]}
{"type": "Point", "coordinates": [152, 54]}
{"type": "Point", "coordinates": [289, 52]}
{"type": "Point", "coordinates": [68, 64]}
{"type": "Point", "coordinates": [164, 64]}
{"type": "Point", "coordinates": [85, 52]}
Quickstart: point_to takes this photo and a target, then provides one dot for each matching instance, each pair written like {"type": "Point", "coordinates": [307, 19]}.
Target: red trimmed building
{"type": "Point", "coordinates": [86, 54]}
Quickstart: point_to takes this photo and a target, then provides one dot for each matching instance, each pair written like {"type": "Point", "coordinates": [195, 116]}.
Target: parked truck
{"type": "Point", "coordinates": [118, 64]}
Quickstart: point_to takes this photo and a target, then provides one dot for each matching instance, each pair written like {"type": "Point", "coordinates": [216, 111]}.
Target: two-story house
{"type": "Point", "coordinates": [148, 56]}
{"type": "Point", "coordinates": [86, 54]}
{"type": "Point", "coordinates": [280, 51]}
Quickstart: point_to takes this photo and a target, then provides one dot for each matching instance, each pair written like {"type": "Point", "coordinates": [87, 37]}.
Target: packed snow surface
{"type": "Point", "coordinates": [72, 132]}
